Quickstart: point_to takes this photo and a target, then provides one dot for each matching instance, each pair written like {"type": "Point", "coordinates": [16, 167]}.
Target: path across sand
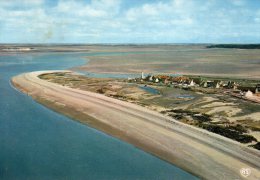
{"type": "Point", "coordinates": [202, 153]}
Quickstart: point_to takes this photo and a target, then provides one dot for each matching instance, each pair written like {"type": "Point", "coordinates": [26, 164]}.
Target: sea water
{"type": "Point", "coordinates": [37, 143]}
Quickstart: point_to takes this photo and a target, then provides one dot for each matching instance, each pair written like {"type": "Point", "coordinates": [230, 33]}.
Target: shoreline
{"type": "Point", "coordinates": [154, 136]}
{"type": "Point", "coordinates": [224, 62]}
{"type": "Point", "coordinates": [101, 71]}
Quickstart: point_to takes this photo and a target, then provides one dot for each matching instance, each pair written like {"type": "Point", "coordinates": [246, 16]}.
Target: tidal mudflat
{"type": "Point", "coordinates": [180, 59]}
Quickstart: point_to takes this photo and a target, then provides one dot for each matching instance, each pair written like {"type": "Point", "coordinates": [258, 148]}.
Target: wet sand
{"type": "Point", "coordinates": [202, 153]}
{"type": "Point", "coordinates": [180, 60]}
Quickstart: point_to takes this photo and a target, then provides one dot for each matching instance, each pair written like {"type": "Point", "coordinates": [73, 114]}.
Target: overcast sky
{"type": "Point", "coordinates": [130, 21]}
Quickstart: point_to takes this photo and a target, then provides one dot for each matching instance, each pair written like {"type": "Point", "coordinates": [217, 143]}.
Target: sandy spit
{"type": "Point", "coordinates": [204, 154]}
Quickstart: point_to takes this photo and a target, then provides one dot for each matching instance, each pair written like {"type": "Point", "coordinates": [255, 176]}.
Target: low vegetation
{"type": "Point", "coordinates": [179, 114]}
{"type": "Point", "coordinates": [235, 132]}
{"type": "Point", "coordinates": [236, 46]}
{"type": "Point", "coordinates": [256, 146]}
{"type": "Point", "coordinates": [210, 111]}
{"type": "Point", "coordinates": [229, 131]}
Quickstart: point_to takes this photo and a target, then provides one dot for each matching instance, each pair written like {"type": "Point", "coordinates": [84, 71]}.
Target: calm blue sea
{"type": "Point", "coordinates": [37, 143]}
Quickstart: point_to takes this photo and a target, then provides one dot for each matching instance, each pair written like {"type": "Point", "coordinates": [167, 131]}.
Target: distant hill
{"type": "Point", "coordinates": [235, 46]}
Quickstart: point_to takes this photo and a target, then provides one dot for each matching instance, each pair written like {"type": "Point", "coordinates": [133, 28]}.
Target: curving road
{"type": "Point", "coordinates": [200, 152]}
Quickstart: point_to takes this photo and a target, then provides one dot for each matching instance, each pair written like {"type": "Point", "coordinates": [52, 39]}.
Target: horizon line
{"type": "Point", "coordinates": [128, 43]}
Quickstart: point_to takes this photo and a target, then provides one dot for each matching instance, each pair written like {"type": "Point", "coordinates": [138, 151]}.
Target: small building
{"type": "Point", "coordinates": [231, 84]}
{"type": "Point", "coordinates": [235, 86]}
{"type": "Point", "coordinates": [204, 84]}
{"type": "Point", "coordinates": [257, 89]}
{"type": "Point", "coordinates": [207, 84]}
{"type": "Point", "coordinates": [192, 83]}
{"type": "Point", "coordinates": [151, 78]}
{"type": "Point", "coordinates": [249, 94]}
{"type": "Point", "coordinates": [180, 79]}
{"type": "Point", "coordinates": [142, 76]}
{"type": "Point", "coordinates": [197, 80]}
{"type": "Point", "coordinates": [166, 81]}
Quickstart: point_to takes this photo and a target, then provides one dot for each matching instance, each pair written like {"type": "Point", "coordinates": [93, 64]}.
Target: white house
{"type": "Point", "coordinates": [249, 94]}
{"type": "Point", "coordinates": [192, 83]}
{"type": "Point", "coordinates": [142, 76]}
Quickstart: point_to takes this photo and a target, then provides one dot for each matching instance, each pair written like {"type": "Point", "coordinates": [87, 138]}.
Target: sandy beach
{"type": "Point", "coordinates": [204, 154]}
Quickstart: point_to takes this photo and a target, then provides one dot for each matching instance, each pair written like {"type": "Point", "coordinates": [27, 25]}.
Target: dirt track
{"type": "Point", "coordinates": [202, 153]}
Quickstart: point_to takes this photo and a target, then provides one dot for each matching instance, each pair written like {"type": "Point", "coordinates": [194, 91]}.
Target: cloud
{"type": "Point", "coordinates": [104, 21]}
{"type": "Point", "coordinates": [102, 8]}
{"type": "Point", "coordinates": [257, 17]}
{"type": "Point", "coordinates": [238, 2]}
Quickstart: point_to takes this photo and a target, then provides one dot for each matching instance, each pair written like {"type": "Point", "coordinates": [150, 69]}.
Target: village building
{"type": "Point", "coordinates": [205, 84]}
{"type": "Point", "coordinates": [197, 80]}
{"type": "Point", "coordinates": [151, 78]}
{"type": "Point", "coordinates": [166, 81]}
{"type": "Point", "coordinates": [142, 75]}
{"type": "Point", "coordinates": [192, 83]}
{"type": "Point", "coordinates": [217, 85]}
{"type": "Point", "coordinates": [231, 84]}
{"type": "Point", "coordinates": [257, 89]}
{"type": "Point", "coordinates": [235, 86]}
{"type": "Point", "coordinates": [249, 94]}
{"type": "Point", "coordinates": [221, 83]}
{"type": "Point", "coordinates": [181, 79]}
{"type": "Point", "coordinates": [208, 84]}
